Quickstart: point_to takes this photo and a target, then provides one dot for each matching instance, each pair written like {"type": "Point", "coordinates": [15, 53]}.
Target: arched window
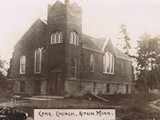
{"type": "Point", "coordinates": [108, 63]}
{"type": "Point", "coordinates": [74, 39]}
{"type": "Point", "coordinates": [22, 64]}
{"type": "Point", "coordinates": [92, 63]}
{"type": "Point", "coordinates": [122, 68]}
{"type": "Point", "coordinates": [73, 68]}
{"type": "Point", "coordinates": [37, 61]}
{"type": "Point", "coordinates": [56, 37]}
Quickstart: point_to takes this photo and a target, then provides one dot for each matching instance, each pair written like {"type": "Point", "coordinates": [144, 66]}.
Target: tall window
{"type": "Point", "coordinates": [37, 61]}
{"type": "Point", "coordinates": [108, 63]}
{"type": "Point", "coordinates": [22, 64]}
{"type": "Point", "coordinates": [74, 39]}
{"type": "Point", "coordinates": [122, 69]}
{"type": "Point", "coordinates": [56, 37]}
{"type": "Point", "coordinates": [73, 68]}
{"type": "Point", "coordinates": [92, 63]}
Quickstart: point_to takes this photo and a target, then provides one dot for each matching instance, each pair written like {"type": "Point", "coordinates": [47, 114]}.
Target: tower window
{"type": "Point", "coordinates": [74, 39]}
{"type": "Point", "coordinates": [108, 63]}
{"type": "Point", "coordinates": [56, 37]}
{"type": "Point", "coordinates": [92, 63]}
{"type": "Point", "coordinates": [22, 64]}
{"type": "Point", "coordinates": [73, 68]}
{"type": "Point", "coordinates": [37, 61]}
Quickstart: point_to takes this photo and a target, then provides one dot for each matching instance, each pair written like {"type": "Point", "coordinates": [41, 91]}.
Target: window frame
{"type": "Point", "coordinates": [108, 63]}
{"type": "Point", "coordinates": [74, 68]}
{"type": "Point", "coordinates": [56, 37]}
{"type": "Point", "coordinates": [40, 61]}
{"type": "Point", "coordinates": [92, 63]}
{"type": "Point", "coordinates": [23, 64]}
{"type": "Point", "coordinates": [74, 38]}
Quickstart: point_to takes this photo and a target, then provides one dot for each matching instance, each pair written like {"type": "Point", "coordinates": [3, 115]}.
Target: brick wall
{"type": "Point", "coordinates": [33, 39]}
{"type": "Point", "coordinates": [98, 72]}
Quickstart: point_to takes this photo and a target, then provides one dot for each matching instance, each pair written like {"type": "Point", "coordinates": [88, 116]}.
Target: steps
{"type": "Point", "coordinates": [43, 97]}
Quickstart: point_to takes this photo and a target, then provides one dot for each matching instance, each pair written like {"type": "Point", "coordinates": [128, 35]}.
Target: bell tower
{"type": "Point", "coordinates": [64, 31]}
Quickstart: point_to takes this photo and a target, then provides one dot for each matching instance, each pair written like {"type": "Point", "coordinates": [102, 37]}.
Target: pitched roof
{"type": "Point", "coordinates": [98, 44]}
{"type": "Point", "coordinates": [121, 54]}
{"type": "Point", "coordinates": [88, 42]}
{"type": "Point", "coordinates": [39, 22]}
{"type": "Point", "coordinates": [44, 21]}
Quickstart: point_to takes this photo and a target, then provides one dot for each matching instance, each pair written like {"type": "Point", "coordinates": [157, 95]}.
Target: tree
{"type": "Point", "coordinates": [124, 39]}
{"type": "Point", "coordinates": [148, 52]}
{"type": "Point", "coordinates": [5, 86]}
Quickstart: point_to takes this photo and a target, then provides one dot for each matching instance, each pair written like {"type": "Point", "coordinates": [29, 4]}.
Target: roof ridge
{"type": "Point", "coordinates": [43, 20]}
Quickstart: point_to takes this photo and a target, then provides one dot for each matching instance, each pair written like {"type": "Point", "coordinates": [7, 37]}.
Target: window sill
{"type": "Point", "coordinates": [22, 73]}
{"type": "Point", "coordinates": [56, 43]}
{"type": "Point", "coordinates": [108, 73]}
{"type": "Point", "coordinates": [73, 78]}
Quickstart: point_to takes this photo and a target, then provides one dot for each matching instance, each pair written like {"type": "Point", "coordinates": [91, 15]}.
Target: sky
{"type": "Point", "coordinates": [101, 18]}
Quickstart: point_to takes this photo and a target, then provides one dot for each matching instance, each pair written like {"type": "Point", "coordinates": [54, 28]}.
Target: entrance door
{"type": "Point", "coordinates": [56, 84]}
{"type": "Point", "coordinates": [37, 87]}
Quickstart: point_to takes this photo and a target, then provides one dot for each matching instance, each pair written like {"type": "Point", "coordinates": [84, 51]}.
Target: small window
{"type": "Point", "coordinates": [22, 86]}
{"type": "Point", "coordinates": [38, 61]}
{"type": "Point", "coordinates": [92, 63]}
{"type": "Point", "coordinates": [22, 64]}
{"type": "Point", "coordinates": [74, 39]}
{"type": "Point", "coordinates": [127, 89]}
{"type": "Point", "coordinates": [108, 63]}
{"type": "Point", "coordinates": [107, 88]}
{"type": "Point", "coordinates": [56, 37]}
{"type": "Point", "coordinates": [122, 69]}
{"type": "Point", "coordinates": [94, 87]}
{"type": "Point", "coordinates": [73, 68]}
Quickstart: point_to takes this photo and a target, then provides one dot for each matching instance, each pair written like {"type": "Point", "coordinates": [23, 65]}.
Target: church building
{"type": "Point", "coordinates": [54, 57]}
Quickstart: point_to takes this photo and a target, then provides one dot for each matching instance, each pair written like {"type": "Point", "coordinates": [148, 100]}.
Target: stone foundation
{"type": "Point", "coordinates": [77, 87]}
{"type": "Point", "coordinates": [29, 87]}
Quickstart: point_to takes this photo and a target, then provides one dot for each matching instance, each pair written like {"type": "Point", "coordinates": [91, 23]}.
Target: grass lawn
{"type": "Point", "coordinates": [128, 107]}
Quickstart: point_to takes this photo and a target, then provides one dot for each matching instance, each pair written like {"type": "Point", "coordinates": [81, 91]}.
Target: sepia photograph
{"type": "Point", "coordinates": [80, 59]}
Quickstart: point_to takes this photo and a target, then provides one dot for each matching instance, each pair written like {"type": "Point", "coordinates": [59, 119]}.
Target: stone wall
{"type": "Point", "coordinates": [80, 87]}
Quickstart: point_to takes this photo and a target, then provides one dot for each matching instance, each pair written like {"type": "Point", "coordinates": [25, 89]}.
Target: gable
{"type": "Point", "coordinates": [37, 31]}
{"type": "Point", "coordinates": [108, 47]}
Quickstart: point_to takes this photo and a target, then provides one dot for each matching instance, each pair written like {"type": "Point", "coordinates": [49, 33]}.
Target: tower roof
{"type": "Point", "coordinates": [67, 1]}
